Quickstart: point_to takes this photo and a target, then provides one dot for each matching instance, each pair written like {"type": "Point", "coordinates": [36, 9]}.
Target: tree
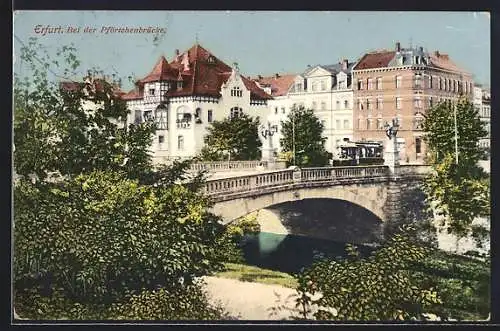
{"type": "Point", "coordinates": [77, 128]}
{"type": "Point", "coordinates": [459, 192]}
{"type": "Point", "coordinates": [234, 138]}
{"type": "Point", "coordinates": [380, 287]}
{"type": "Point", "coordinates": [113, 229]}
{"type": "Point", "coordinates": [303, 132]}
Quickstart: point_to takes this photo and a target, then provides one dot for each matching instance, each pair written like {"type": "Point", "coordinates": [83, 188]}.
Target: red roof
{"type": "Point", "coordinates": [98, 83]}
{"type": "Point", "coordinates": [204, 76]}
{"type": "Point", "coordinates": [280, 84]}
{"type": "Point", "coordinates": [161, 71]}
{"type": "Point", "coordinates": [443, 61]}
{"type": "Point", "coordinates": [375, 60]}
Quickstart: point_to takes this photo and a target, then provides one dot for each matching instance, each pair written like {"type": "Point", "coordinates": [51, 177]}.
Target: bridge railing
{"type": "Point", "coordinates": [290, 176]}
{"type": "Point", "coordinates": [250, 182]}
{"type": "Point", "coordinates": [331, 173]}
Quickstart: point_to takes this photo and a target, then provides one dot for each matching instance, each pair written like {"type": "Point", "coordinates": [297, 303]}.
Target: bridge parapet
{"type": "Point", "coordinates": [223, 166]}
{"type": "Point", "coordinates": [290, 176]}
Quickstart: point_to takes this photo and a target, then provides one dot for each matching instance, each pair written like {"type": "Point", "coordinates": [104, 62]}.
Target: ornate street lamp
{"type": "Point", "coordinates": [268, 131]}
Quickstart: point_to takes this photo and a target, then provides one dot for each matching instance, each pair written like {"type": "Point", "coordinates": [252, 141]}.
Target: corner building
{"type": "Point", "coordinates": [186, 95]}
{"type": "Point", "coordinates": [404, 83]}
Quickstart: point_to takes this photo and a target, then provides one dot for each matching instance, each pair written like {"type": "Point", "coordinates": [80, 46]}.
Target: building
{"type": "Point", "coordinates": [185, 95]}
{"type": "Point", "coordinates": [403, 83]}
{"type": "Point", "coordinates": [482, 99]}
{"type": "Point", "coordinates": [326, 89]}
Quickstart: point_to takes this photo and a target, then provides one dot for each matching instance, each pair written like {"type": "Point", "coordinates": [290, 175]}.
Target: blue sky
{"type": "Point", "coordinates": [262, 42]}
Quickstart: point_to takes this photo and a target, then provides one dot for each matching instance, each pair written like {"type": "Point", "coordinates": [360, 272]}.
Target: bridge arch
{"type": "Point", "coordinates": [370, 196]}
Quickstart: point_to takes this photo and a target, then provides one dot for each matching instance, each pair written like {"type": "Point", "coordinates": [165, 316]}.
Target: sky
{"type": "Point", "coordinates": [261, 42]}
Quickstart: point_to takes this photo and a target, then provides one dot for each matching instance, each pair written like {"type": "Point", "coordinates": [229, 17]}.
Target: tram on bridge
{"type": "Point", "coordinates": [359, 152]}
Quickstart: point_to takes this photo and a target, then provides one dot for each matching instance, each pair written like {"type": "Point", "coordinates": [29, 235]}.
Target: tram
{"type": "Point", "coordinates": [358, 151]}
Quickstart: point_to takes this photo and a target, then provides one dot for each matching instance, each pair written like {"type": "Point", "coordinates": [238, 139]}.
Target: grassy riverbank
{"type": "Point", "coordinates": [249, 273]}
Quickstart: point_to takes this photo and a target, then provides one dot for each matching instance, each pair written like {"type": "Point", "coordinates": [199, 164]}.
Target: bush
{"type": "Point", "coordinates": [100, 236]}
{"type": "Point", "coordinates": [376, 288]}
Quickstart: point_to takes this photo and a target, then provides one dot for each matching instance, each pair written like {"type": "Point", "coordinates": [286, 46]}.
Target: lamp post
{"type": "Point", "coordinates": [267, 131]}
{"type": "Point", "coordinates": [293, 136]}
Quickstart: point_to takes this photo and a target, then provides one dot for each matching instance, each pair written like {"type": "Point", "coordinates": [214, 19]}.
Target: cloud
{"type": "Point", "coordinates": [453, 28]}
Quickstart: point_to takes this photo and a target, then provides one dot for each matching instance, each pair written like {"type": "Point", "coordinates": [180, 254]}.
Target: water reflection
{"type": "Point", "coordinates": [290, 253]}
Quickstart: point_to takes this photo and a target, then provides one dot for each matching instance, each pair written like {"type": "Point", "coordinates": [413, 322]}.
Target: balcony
{"type": "Point", "coordinates": [183, 124]}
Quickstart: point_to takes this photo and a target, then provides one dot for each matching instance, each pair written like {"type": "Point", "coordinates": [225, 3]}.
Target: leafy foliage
{"type": "Point", "coordinates": [379, 287]}
{"type": "Point", "coordinates": [460, 192]}
{"type": "Point", "coordinates": [305, 129]}
{"type": "Point", "coordinates": [113, 227]}
{"type": "Point", "coordinates": [234, 137]}
{"type": "Point", "coordinates": [76, 129]}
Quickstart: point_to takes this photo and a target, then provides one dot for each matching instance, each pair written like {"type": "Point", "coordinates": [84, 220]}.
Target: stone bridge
{"type": "Point", "coordinates": [375, 188]}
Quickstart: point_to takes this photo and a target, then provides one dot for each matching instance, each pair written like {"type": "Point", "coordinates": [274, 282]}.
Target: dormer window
{"type": "Point", "coordinates": [236, 92]}
{"type": "Point", "coordinates": [179, 84]}
{"type": "Point", "coordinates": [211, 59]}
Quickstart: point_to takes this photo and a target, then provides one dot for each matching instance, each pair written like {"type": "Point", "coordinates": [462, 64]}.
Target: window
{"type": "Point", "coordinates": [314, 105]}
{"type": "Point", "coordinates": [418, 80]}
{"type": "Point", "coordinates": [346, 104]}
{"type": "Point", "coordinates": [283, 110]}
{"type": "Point", "coordinates": [440, 83]}
{"type": "Point", "coordinates": [380, 103]}
{"type": "Point", "coordinates": [380, 125]}
{"type": "Point", "coordinates": [400, 121]}
{"type": "Point", "coordinates": [197, 113]}
{"type": "Point", "coordinates": [315, 86]}
{"type": "Point", "coordinates": [368, 104]}
{"type": "Point", "coordinates": [346, 124]}
{"type": "Point", "coordinates": [161, 139]}
{"type": "Point", "coordinates": [148, 115]}
{"type": "Point", "coordinates": [137, 116]}
{"type": "Point", "coordinates": [236, 111]}
{"type": "Point", "coordinates": [161, 116]}
{"type": "Point", "coordinates": [399, 81]}
{"type": "Point", "coordinates": [323, 105]}
{"type": "Point", "coordinates": [370, 84]}
{"type": "Point", "coordinates": [360, 84]}
{"type": "Point", "coordinates": [337, 124]}
{"type": "Point", "coordinates": [298, 87]}
{"type": "Point", "coordinates": [368, 123]}
{"type": "Point", "coordinates": [210, 116]}
{"type": "Point", "coordinates": [359, 123]}
{"type": "Point", "coordinates": [417, 102]}
{"type": "Point", "coordinates": [151, 91]}
{"type": "Point", "coordinates": [180, 143]}
{"type": "Point", "coordinates": [360, 105]}
{"type": "Point", "coordinates": [275, 110]}
{"type": "Point", "coordinates": [431, 102]}
{"type": "Point", "coordinates": [236, 92]}
{"type": "Point", "coordinates": [445, 84]}
{"type": "Point", "coordinates": [418, 121]}
{"type": "Point", "coordinates": [379, 83]}
{"type": "Point", "coordinates": [418, 145]}
{"type": "Point", "coordinates": [398, 103]}
{"type": "Point", "coordinates": [323, 85]}
{"type": "Point", "coordinates": [431, 82]}
{"type": "Point", "coordinates": [337, 104]}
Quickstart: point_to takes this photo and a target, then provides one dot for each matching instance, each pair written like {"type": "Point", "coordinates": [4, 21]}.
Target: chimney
{"type": "Point", "coordinates": [177, 52]}
{"type": "Point", "coordinates": [276, 76]}
{"type": "Point", "coordinates": [345, 64]}
{"type": "Point", "coordinates": [437, 53]}
{"type": "Point", "coordinates": [421, 49]}
{"type": "Point", "coordinates": [398, 46]}
{"type": "Point", "coordinates": [259, 77]}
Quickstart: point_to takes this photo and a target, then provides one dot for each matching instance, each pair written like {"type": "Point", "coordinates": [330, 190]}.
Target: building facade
{"type": "Point", "coordinates": [404, 83]}
{"type": "Point", "coordinates": [326, 89]}
{"type": "Point", "coordinates": [482, 100]}
{"type": "Point", "coordinates": [186, 95]}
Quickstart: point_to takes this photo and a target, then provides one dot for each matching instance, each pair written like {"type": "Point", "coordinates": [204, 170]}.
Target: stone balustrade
{"type": "Point", "coordinates": [250, 182]}
{"type": "Point", "coordinates": [228, 165]}
{"type": "Point", "coordinates": [290, 176]}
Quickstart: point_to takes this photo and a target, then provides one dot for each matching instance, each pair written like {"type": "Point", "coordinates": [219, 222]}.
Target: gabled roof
{"type": "Point", "coordinates": [98, 84]}
{"type": "Point", "coordinates": [280, 84]}
{"type": "Point", "coordinates": [331, 68]}
{"type": "Point", "coordinates": [161, 71]}
{"type": "Point", "coordinates": [202, 75]}
{"type": "Point", "coordinates": [375, 60]}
